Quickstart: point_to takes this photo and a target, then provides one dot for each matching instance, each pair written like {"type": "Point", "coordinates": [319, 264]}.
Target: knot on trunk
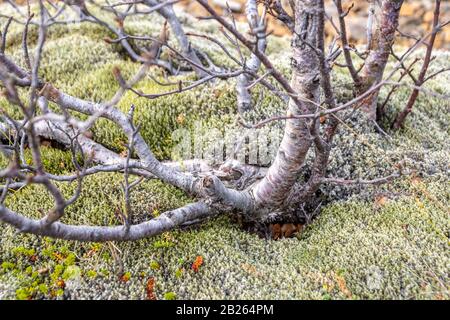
{"type": "Point", "coordinates": [49, 92]}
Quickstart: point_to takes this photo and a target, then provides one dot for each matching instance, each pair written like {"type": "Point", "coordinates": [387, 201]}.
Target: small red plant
{"type": "Point", "coordinates": [197, 263]}
{"type": "Point", "coordinates": [149, 289]}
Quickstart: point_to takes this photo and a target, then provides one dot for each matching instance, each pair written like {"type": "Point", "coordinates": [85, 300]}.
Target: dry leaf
{"type": "Point", "coordinates": [343, 286]}
{"type": "Point", "coordinates": [149, 289]}
{"type": "Point", "coordinates": [380, 201]}
{"type": "Point", "coordinates": [275, 230]}
{"type": "Point", "coordinates": [197, 263]}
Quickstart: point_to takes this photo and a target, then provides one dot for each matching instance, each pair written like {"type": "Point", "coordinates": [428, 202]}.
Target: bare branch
{"type": "Point", "coordinates": [344, 41]}
{"type": "Point", "coordinates": [400, 119]}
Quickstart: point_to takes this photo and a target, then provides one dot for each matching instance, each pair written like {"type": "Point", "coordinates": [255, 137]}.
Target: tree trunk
{"type": "Point", "coordinates": [273, 190]}
{"type": "Point", "coordinates": [381, 35]}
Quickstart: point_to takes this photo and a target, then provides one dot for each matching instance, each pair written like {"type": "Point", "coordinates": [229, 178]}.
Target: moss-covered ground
{"type": "Point", "coordinates": [390, 242]}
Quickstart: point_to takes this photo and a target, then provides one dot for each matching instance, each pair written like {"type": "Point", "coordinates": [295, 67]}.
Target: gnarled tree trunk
{"type": "Point", "coordinates": [281, 176]}
{"type": "Point", "coordinates": [383, 23]}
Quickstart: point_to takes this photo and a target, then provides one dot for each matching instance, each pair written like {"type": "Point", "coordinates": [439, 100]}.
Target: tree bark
{"type": "Point", "coordinates": [165, 222]}
{"type": "Point", "coordinates": [244, 97]}
{"type": "Point", "coordinates": [283, 173]}
{"type": "Point", "coordinates": [169, 14]}
{"type": "Point", "coordinates": [381, 39]}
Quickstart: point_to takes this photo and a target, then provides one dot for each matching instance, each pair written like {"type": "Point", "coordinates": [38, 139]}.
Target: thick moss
{"type": "Point", "coordinates": [55, 161]}
{"type": "Point", "coordinates": [355, 249]}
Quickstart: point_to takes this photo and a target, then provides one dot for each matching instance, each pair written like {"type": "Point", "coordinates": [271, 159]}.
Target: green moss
{"type": "Point", "coordinates": [154, 265]}
{"type": "Point", "coordinates": [7, 265]}
{"type": "Point", "coordinates": [23, 294]}
{"type": "Point", "coordinates": [352, 250]}
{"type": "Point", "coordinates": [91, 273]}
{"type": "Point", "coordinates": [43, 288]}
{"type": "Point", "coordinates": [70, 259]}
{"type": "Point", "coordinates": [170, 296]}
{"type": "Point", "coordinates": [55, 161]}
{"type": "Point", "coordinates": [162, 244]}
{"type": "Point", "coordinates": [67, 60]}
{"type": "Point", "coordinates": [56, 274]}
{"type": "Point", "coordinates": [71, 272]}
{"type": "Point", "coordinates": [179, 273]}
{"type": "Point", "coordinates": [24, 251]}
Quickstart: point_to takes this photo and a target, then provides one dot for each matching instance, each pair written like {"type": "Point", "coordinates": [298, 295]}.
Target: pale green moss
{"type": "Point", "coordinates": [55, 161]}
{"type": "Point", "coordinates": [353, 250]}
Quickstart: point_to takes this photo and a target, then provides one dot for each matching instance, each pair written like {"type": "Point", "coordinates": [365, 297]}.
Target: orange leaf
{"type": "Point", "coordinates": [343, 286]}
{"type": "Point", "coordinates": [125, 277]}
{"type": "Point", "coordinates": [60, 283]}
{"type": "Point", "coordinates": [197, 263]}
{"type": "Point", "coordinates": [149, 289]}
{"type": "Point", "coordinates": [275, 230]}
{"type": "Point", "coordinates": [380, 201]}
{"type": "Point", "coordinates": [58, 256]}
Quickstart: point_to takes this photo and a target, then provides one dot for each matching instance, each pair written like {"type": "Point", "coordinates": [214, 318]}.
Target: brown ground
{"type": "Point", "coordinates": [416, 17]}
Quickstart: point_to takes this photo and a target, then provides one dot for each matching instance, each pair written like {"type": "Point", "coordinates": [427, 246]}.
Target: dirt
{"type": "Point", "coordinates": [416, 19]}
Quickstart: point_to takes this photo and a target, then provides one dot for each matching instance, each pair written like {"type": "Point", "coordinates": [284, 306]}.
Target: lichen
{"type": "Point", "coordinates": [353, 250]}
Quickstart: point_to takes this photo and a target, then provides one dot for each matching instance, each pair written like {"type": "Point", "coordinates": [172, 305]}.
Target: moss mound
{"type": "Point", "coordinates": [354, 250]}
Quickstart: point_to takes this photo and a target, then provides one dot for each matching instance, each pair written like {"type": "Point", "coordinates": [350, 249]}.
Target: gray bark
{"type": "Point", "coordinates": [384, 26]}
{"type": "Point", "coordinates": [282, 174]}
{"type": "Point", "coordinates": [244, 97]}
{"type": "Point", "coordinates": [169, 14]}
{"type": "Point", "coordinates": [166, 221]}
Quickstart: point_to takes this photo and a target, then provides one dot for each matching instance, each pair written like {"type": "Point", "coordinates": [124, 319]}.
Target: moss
{"type": "Point", "coordinates": [70, 259]}
{"type": "Point", "coordinates": [23, 294]}
{"type": "Point", "coordinates": [91, 273]}
{"type": "Point", "coordinates": [154, 265]}
{"type": "Point", "coordinates": [71, 272]}
{"type": "Point", "coordinates": [170, 296]}
{"type": "Point", "coordinates": [100, 197]}
{"type": "Point", "coordinates": [7, 265]}
{"type": "Point", "coordinates": [353, 250]}
{"type": "Point", "coordinates": [24, 251]}
{"type": "Point", "coordinates": [43, 288]}
{"type": "Point", "coordinates": [55, 161]}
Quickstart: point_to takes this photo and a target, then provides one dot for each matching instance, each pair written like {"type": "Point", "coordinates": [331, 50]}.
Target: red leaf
{"type": "Point", "coordinates": [149, 289]}
{"type": "Point", "coordinates": [197, 263]}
